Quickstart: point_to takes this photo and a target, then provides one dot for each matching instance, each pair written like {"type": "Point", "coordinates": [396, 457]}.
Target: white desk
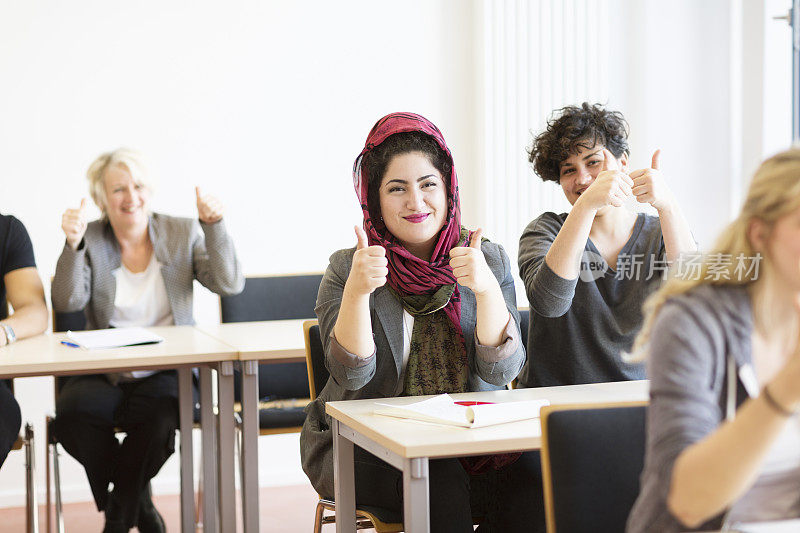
{"type": "Point", "coordinates": [270, 341]}
{"type": "Point", "coordinates": [409, 445]}
{"type": "Point", "coordinates": [273, 341]}
{"type": "Point", "coordinates": [184, 347]}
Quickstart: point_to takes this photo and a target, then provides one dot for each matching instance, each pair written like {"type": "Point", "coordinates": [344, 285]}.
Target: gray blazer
{"type": "Point", "coordinates": [352, 377]}
{"type": "Point", "coordinates": [85, 281]}
{"type": "Point", "coordinates": [693, 337]}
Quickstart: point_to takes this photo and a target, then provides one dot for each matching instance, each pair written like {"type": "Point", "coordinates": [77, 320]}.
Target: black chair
{"type": "Point", "coordinates": [282, 388]}
{"type": "Point", "coordinates": [315, 358]}
{"type": "Point", "coordinates": [382, 520]}
{"type": "Point", "coordinates": [72, 321]}
{"type": "Point", "coordinates": [524, 317]}
{"type": "Point", "coordinates": [26, 442]}
{"type": "Point", "coordinates": [592, 456]}
{"type": "Point", "coordinates": [524, 321]}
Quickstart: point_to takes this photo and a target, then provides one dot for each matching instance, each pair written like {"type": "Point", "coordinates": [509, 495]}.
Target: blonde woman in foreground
{"type": "Point", "coordinates": [723, 444]}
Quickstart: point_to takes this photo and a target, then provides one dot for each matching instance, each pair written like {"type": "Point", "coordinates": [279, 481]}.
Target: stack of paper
{"type": "Point", "coordinates": [113, 337]}
{"type": "Point", "coordinates": [443, 410]}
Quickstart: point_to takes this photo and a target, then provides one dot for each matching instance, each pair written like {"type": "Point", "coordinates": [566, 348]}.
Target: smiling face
{"type": "Point", "coordinates": [580, 169]}
{"type": "Point", "coordinates": [413, 200]}
{"type": "Point", "coordinates": [126, 200]}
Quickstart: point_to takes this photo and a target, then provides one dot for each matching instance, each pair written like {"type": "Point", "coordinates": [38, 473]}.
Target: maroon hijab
{"type": "Point", "coordinates": [409, 274]}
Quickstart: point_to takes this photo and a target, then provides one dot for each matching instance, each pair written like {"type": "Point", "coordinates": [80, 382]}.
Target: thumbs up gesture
{"type": "Point", "coordinates": [469, 266]}
{"type": "Point", "coordinates": [74, 222]}
{"type": "Point", "coordinates": [209, 208]}
{"type": "Point", "coordinates": [611, 186]}
{"type": "Point", "coordinates": [649, 186]}
{"type": "Point", "coordinates": [369, 269]}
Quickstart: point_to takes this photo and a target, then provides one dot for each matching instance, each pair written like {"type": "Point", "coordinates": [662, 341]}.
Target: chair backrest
{"type": "Point", "coordinates": [592, 456]}
{"type": "Point", "coordinates": [67, 321]}
{"type": "Point", "coordinates": [524, 321]}
{"type": "Point", "coordinates": [273, 298]}
{"type": "Point", "coordinates": [315, 358]}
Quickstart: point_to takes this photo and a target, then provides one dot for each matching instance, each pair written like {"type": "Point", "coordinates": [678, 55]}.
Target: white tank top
{"type": "Point", "coordinates": [141, 300]}
{"type": "Point", "coordinates": [776, 493]}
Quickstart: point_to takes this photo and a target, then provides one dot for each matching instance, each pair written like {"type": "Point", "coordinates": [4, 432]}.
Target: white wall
{"type": "Point", "coordinates": [671, 78]}
{"type": "Point", "coordinates": [266, 104]}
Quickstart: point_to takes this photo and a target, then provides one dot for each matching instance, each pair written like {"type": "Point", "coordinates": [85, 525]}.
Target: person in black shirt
{"type": "Point", "coordinates": [21, 287]}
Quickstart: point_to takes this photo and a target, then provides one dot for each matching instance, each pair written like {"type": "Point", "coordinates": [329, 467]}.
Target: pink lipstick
{"type": "Point", "coordinates": [416, 219]}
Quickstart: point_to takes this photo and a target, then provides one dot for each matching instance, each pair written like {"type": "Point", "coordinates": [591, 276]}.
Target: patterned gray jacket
{"type": "Point", "coordinates": [85, 279]}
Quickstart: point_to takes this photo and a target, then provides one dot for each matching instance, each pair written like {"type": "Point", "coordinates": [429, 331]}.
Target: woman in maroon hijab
{"type": "Point", "coordinates": [420, 306]}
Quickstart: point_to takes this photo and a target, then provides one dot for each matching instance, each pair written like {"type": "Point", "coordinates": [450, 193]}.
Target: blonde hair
{"type": "Point", "coordinates": [773, 193]}
{"type": "Point", "coordinates": [130, 159]}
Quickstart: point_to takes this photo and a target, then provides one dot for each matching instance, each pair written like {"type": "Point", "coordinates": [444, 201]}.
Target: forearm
{"type": "Point", "coordinates": [675, 230]}
{"type": "Point", "coordinates": [564, 255]}
{"type": "Point", "coordinates": [28, 320]}
{"type": "Point", "coordinates": [221, 272]}
{"type": "Point", "coordinates": [353, 328]}
{"type": "Point", "coordinates": [713, 473]}
{"type": "Point", "coordinates": [492, 316]}
{"type": "Point", "coordinates": [70, 288]}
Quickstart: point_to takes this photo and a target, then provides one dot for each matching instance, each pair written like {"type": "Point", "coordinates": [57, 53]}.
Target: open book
{"type": "Point", "coordinates": [113, 337]}
{"type": "Point", "coordinates": [443, 409]}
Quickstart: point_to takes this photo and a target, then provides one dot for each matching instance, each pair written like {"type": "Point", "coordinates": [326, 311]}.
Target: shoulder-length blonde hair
{"type": "Point", "coordinates": [130, 159]}
{"type": "Point", "coordinates": [773, 193]}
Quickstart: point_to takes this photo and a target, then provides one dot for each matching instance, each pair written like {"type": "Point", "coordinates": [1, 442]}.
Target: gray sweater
{"type": "Point", "coordinates": [579, 327]}
{"type": "Point", "coordinates": [690, 342]}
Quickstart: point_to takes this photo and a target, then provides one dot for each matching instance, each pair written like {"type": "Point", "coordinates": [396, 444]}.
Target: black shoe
{"type": "Point", "coordinates": [115, 526]}
{"type": "Point", "coordinates": [114, 520]}
{"type": "Point", "coordinates": [150, 521]}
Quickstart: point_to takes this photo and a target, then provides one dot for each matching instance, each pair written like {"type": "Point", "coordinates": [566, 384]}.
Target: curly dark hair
{"type": "Point", "coordinates": [571, 128]}
{"type": "Point", "coordinates": [376, 160]}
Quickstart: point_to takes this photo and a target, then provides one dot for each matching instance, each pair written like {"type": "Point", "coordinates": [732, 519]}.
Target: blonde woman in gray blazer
{"type": "Point", "coordinates": [132, 268]}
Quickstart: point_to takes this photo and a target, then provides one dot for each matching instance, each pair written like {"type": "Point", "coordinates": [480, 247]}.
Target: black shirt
{"type": "Point", "coordinates": [16, 251]}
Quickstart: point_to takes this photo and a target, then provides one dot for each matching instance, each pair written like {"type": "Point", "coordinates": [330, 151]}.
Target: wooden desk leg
{"type": "Point", "coordinates": [209, 426]}
{"type": "Point", "coordinates": [250, 430]}
{"type": "Point", "coordinates": [416, 510]}
{"type": "Point", "coordinates": [344, 481]}
{"type": "Point", "coordinates": [227, 463]}
{"type": "Point", "coordinates": [186, 416]}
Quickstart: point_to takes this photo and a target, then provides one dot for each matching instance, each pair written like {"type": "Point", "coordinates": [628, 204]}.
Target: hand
{"type": "Point", "coordinates": [369, 269]}
{"type": "Point", "coordinates": [611, 187]}
{"type": "Point", "coordinates": [74, 222]}
{"type": "Point", "coordinates": [785, 386]}
{"type": "Point", "coordinates": [649, 186]}
{"type": "Point", "coordinates": [209, 209]}
{"type": "Point", "coordinates": [470, 268]}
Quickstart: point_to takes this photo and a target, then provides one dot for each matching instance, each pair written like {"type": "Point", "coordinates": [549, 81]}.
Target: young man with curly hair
{"type": "Point", "coordinates": [587, 272]}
